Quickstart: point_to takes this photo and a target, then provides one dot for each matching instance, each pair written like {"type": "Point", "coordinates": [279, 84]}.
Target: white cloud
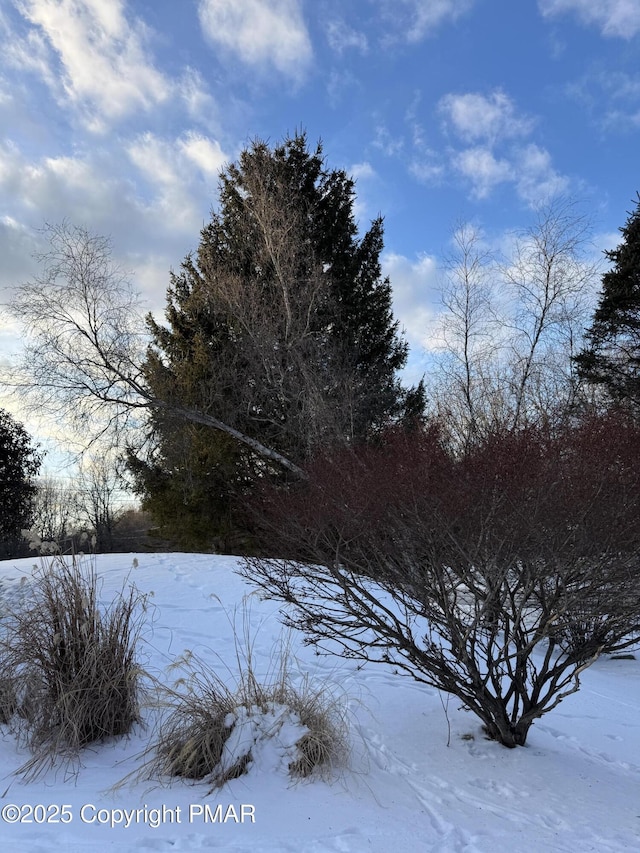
{"type": "Point", "coordinates": [153, 214]}
{"type": "Point", "coordinates": [51, 189]}
{"type": "Point", "coordinates": [497, 151]}
{"type": "Point", "coordinates": [181, 173]}
{"type": "Point", "coordinates": [362, 171]}
{"type": "Point", "coordinates": [196, 96]}
{"type": "Point", "coordinates": [536, 179]}
{"type": "Point", "coordinates": [612, 98]}
{"type": "Point", "coordinates": [529, 169]}
{"type": "Point", "coordinates": [425, 164]}
{"type": "Point", "coordinates": [342, 37]}
{"type": "Point", "coordinates": [385, 142]}
{"type": "Point", "coordinates": [364, 175]}
{"type": "Point", "coordinates": [57, 187]}
{"type": "Point", "coordinates": [415, 294]}
{"type": "Point", "coordinates": [427, 167]}
{"type": "Point", "coordinates": [160, 201]}
{"type": "Point", "coordinates": [342, 85]}
{"type": "Point", "coordinates": [260, 34]}
{"type": "Point", "coordinates": [416, 19]}
{"type": "Point", "coordinates": [619, 18]}
{"type": "Point", "coordinates": [160, 164]}
{"type": "Point", "coordinates": [205, 153]}
{"type": "Point", "coordinates": [621, 85]}
{"type": "Point", "coordinates": [473, 116]}
{"type": "Point", "coordinates": [30, 53]}
{"type": "Point", "coordinates": [17, 245]}
{"type": "Point", "coordinates": [482, 169]}
{"type": "Point", "coordinates": [6, 93]}
{"type": "Point", "coordinates": [104, 67]}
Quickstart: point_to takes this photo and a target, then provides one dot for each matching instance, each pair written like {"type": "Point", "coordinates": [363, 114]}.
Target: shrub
{"type": "Point", "coordinates": [497, 576]}
{"type": "Point", "coordinates": [68, 668]}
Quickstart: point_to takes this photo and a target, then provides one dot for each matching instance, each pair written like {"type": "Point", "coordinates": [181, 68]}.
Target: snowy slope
{"type": "Point", "coordinates": [575, 787]}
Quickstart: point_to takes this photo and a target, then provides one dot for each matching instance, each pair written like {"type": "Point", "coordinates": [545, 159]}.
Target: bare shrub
{"type": "Point", "coordinates": [497, 576]}
{"type": "Point", "coordinates": [70, 666]}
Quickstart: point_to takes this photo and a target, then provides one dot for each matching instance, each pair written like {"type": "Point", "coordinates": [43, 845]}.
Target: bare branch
{"type": "Point", "coordinates": [497, 576]}
{"type": "Point", "coordinates": [86, 345]}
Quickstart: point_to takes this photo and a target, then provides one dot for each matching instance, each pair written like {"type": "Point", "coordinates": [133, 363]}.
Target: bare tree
{"type": "Point", "coordinates": [511, 326]}
{"type": "Point", "coordinates": [100, 480]}
{"type": "Point", "coordinates": [465, 385]}
{"type": "Point", "coordinates": [497, 576]}
{"type": "Point", "coordinates": [86, 344]}
{"type": "Point", "coordinates": [55, 518]}
{"type": "Point", "coordinates": [551, 281]}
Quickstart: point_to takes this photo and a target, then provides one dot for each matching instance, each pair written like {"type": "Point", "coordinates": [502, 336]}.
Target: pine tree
{"type": "Point", "coordinates": [611, 357]}
{"type": "Point", "coordinates": [281, 325]}
{"type": "Point", "coordinates": [19, 464]}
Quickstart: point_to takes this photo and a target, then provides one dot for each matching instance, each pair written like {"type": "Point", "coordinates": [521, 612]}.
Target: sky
{"type": "Point", "coordinates": [117, 115]}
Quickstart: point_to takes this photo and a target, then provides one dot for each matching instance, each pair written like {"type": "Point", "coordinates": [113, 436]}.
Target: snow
{"type": "Point", "coordinates": [420, 775]}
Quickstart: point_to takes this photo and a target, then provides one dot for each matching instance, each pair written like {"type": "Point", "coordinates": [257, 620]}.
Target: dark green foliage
{"type": "Point", "coordinates": [187, 487]}
{"type": "Point", "coordinates": [19, 464]}
{"type": "Point", "coordinates": [281, 326]}
{"type": "Point", "coordinates": [611, 358]}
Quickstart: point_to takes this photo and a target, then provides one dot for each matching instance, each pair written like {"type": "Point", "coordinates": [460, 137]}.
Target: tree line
{"type": "Point", "coordinates": [457, 529]}
{"type": "Point", "coordinates": [82, 511]}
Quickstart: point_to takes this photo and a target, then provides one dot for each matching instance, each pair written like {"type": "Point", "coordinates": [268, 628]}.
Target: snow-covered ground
{"type": "Point", "coordinates": [575, 787]}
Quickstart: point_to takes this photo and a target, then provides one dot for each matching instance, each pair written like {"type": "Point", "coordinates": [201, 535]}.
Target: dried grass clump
{"type": "Point", "coordinates": [8, 699]}
{"type": "Point", "coordinates": [325, 744]}
{"type": "Point", "coordinates": [68, 670]}
{"type": "Point", "coordinates": [211, 729]}
{"type": "Point", "coordinates": [191, 740]}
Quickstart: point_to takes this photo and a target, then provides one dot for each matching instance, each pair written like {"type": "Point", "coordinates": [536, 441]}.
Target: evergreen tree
{"type": "Point", "coordinates": [611, 357]}
{"type": "Point", "coordinates": [19, 464]}
{"type": "Point", "coordinates": [280, 325]}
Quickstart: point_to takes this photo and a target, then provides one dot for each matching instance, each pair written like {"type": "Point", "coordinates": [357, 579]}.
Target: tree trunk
{"type": "Point", "coordinates": [499, 727]}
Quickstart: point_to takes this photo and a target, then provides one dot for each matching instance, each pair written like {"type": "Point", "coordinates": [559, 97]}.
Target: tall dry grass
{"type": "Point", "coordinates": [69, 674]}
{"type": "Point", "coordinates": [210, 704]}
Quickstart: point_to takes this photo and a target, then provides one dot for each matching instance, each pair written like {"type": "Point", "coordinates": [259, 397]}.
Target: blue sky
{"type": "Point", "coordinates": [118, 115]}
